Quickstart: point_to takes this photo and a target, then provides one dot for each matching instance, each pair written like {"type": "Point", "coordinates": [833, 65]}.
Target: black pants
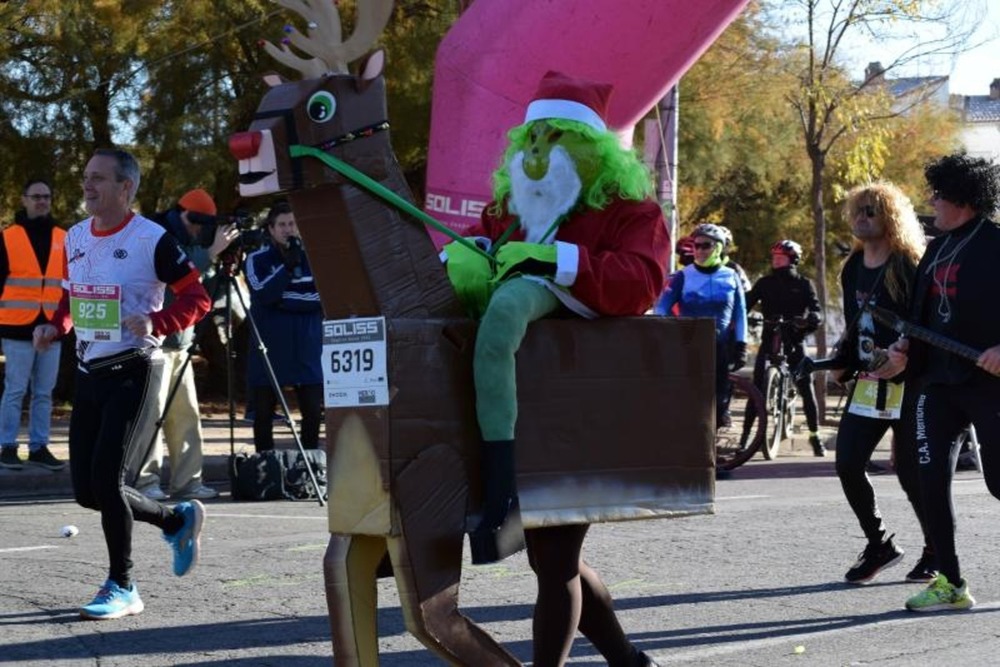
{"type": "Point", "coordinates": [723, 386]}
{"type": "Point", "coordinates": [857, 438]}
{"type": "Point", "coordinates": [942, 411]}
{"type": "Point", "coordinates": [105, 455]}
{"type": "Point", "coordinates": [310, 399]}
{"type": "Point", "coordinates": [571, 597]}
{"type": "Point", "coordinates": [794, 354]}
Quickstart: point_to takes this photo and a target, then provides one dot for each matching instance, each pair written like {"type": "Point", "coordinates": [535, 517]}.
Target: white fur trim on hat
{"type": "Point", "coordinates": [565, 109]}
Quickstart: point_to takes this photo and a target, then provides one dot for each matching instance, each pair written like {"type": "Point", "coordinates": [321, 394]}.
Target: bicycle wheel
{"type": "Point", "coordinates": [728, 452]}
{"type": "Point", "coordinates": [788, 423]}
{"type": "Point", "coordinates": [775, 402]}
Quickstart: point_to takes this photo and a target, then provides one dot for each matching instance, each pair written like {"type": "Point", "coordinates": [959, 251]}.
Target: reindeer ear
{"type": "Point", "coordinates": [273, 79]}
{"type": "Point", "coordinates": [371, 69]}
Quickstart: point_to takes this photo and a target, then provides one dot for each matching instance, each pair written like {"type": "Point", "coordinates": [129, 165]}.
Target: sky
{"type": "Point", "coordinates": [970, 73]}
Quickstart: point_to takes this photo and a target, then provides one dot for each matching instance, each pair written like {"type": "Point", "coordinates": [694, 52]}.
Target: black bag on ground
{"type": "Point", "coordinates": [278, 474]}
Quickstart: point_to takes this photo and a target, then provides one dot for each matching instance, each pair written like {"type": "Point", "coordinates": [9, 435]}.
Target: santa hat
{"type": "Point", "coordinates": [562, 96]}
{"type": "Point", "coordinates": [198, 201]}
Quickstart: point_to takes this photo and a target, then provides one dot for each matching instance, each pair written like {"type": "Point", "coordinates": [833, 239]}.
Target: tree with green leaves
{"type": "Point", "coordinates": [172, 81]}
{"type": "Point", "coordinates": [834, 111]}
{"type": "Point", "coordinates": [740, 162]}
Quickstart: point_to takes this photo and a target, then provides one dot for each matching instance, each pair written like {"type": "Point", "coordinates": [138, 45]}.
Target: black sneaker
{"type": "Point", "coordinates": [874, 559]}
{"type": "Point", "coordinates": [9, 458]}
{"type": "Point", "coordinates": [817, 445]}
{"type": "Point", "coordinates": [44, 458]}
{"type": "Point", "coordinates": [926, 568]}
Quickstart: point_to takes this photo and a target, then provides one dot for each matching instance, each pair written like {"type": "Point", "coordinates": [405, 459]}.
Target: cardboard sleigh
{"type": "Point", "coordinates": [614, 415]}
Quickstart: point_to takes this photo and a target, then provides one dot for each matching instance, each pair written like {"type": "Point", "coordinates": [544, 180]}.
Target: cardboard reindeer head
{"type": "Point", "coordinates": [331, 109]}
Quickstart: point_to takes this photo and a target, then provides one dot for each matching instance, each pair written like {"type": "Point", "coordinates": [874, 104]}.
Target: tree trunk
{"type": "Point", "coordinates": [818, 160]}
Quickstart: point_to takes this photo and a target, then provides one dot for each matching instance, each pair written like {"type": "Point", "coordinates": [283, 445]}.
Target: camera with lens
{"type": "Point", "coordinates": [250, 235]}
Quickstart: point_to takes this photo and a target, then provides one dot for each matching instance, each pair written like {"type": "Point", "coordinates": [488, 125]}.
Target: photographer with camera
{"type": "Point", "coordinates": [880, 270]}
{"type": "Point", "coordinates": [285, 305]}
{"type": "Point", "coordinates": [192, 221]}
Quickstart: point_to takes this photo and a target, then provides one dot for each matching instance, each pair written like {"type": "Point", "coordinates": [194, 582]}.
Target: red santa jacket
{"type": "Point", "coordinates": [622, 252]}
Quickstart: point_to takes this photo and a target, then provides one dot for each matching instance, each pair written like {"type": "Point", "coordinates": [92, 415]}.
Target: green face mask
{"type": "Point", "coordinates": [712, 260]}
{"type": "Point", "coordinates": [542, 138]}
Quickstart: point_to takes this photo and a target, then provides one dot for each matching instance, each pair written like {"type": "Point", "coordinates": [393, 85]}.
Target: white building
{"type": "Point", "coordinates": [980, 116]}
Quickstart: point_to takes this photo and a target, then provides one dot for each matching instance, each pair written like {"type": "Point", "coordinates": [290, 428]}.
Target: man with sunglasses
{"type": "Point", "coordinates": [879, 271]}
{"type": "Point", "coordinates": [955, 296]}
{"type": "Point", "coordinates": [31, 274]}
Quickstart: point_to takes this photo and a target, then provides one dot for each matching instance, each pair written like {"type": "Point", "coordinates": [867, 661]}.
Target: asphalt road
{"type": "Point", "coordinates": [758, 583]}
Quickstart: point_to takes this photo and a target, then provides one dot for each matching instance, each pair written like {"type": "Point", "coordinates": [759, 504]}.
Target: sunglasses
{"type": "Point", "coordinates": [39, 197]}
{"type": "Point", "coordinates": [704, 246]}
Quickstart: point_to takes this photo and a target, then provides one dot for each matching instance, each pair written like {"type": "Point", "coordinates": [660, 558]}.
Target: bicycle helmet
{"type": "Point", "coordinates": [789, 248]}
{"type": "Point", "coordinates": [714, 232]}
{"type": "Point", "coordinates": [728, 243]}
{"type": "Point", "coordinates": [685, 245]}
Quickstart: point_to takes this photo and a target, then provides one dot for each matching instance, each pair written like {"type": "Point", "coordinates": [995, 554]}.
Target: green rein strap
{"type": "Point", "coordinates": [385, 193]}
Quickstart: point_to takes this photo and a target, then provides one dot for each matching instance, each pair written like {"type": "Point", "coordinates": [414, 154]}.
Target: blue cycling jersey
{"type": "Point", "coordinates": [701, 292]}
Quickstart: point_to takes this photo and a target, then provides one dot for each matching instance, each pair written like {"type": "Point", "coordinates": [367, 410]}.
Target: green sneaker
{"type": "Point", "coordinates": [942, 595]}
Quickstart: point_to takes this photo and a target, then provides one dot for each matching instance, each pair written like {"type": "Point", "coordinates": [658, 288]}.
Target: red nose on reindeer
{"type": "Point", "coordinates": [244, 145]}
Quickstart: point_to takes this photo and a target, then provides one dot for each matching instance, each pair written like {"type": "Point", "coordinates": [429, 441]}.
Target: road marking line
{"type": "Point", "coordinates": [229, 515]}
{"type": "Point", "coordinates": [13, 549]}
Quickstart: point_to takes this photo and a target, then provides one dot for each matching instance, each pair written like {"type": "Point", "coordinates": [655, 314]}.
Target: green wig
{"type": "Point", "coordinates": [621, 173]}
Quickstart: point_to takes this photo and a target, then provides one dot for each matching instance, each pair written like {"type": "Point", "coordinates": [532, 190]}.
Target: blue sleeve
{"type": "Point", "coordinates": [267, 277]}
{"type": "Point", "coordinates": [740, 314]}
{"type": "Point", "coordinates": [671, 295]}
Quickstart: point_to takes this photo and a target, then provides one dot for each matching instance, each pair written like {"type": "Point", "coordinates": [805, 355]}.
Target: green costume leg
{"type": "Point", "coordinates": [512, 307]}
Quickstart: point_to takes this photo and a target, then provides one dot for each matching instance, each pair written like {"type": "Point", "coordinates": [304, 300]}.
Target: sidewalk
{"type": "Point", "coordinates": [33, 481]}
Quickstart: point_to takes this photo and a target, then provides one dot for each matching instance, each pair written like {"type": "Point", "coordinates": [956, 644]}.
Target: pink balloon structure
{"type": "Point", "coordinates": [489, 63]}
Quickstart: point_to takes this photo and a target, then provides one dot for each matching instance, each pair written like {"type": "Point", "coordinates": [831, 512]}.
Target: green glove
{"type": "Point", "coordinates": [520, 258]}
{"type": "Point", "coordinates": [470, 274]}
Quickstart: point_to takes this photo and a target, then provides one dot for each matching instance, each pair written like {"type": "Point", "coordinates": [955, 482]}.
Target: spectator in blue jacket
{"type": "Point", "coordinates": [285, 305]}
{"type": "Point", "coordinates": [709, 288]}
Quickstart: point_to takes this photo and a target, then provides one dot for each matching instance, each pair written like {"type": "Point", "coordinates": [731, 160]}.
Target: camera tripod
{"type": "Point", "coordinates": [227, 269]}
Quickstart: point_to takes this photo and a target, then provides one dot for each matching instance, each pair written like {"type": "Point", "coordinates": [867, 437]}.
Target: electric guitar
{"type": "Point", "coordinates": [898, 324]}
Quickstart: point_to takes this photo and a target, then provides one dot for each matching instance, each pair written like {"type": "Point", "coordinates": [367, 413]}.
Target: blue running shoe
{"type": "Point", "coordinates": [187, 541]}
{"type": "Point", "coordinates": [113, 601]}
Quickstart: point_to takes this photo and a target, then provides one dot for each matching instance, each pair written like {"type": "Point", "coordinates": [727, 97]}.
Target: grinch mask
{"type": "Point", "coordinates": [543, 137]}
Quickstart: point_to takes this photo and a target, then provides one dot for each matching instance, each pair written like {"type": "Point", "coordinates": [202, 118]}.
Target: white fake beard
{"type": "Point", "coordinates": [539, 203]}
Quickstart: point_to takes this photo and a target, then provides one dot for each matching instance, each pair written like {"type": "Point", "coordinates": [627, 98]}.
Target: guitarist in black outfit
{"type": "Point", "coordinates": [880, 270]}
{"type": "Point", "coordinates": [956, 297]}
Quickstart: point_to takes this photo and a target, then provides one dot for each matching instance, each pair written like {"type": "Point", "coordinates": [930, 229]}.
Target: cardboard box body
{"type": "Point", "coordinates": [614, 414]}
{"type": "Point", "coordinates": [614, 423]}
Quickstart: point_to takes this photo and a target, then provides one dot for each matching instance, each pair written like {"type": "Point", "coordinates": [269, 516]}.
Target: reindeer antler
{"type": "Point", "coordinates": [324, 40]}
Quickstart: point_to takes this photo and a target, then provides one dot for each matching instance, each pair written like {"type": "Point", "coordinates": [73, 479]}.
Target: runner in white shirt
{"type": "Point", "coordinates": [118, 266]}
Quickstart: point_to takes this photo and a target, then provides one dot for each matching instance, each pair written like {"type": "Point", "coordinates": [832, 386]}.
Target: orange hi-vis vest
{"type": "Point", "coordinates": [27, 290]}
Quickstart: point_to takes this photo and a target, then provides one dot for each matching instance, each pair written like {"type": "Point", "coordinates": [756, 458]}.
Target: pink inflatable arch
{"type": "Point", "coordinates": [491, 60]}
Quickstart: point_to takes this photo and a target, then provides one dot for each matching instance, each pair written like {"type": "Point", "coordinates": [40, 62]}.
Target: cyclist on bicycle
{"type": "Point", "coordinates": [708, 288]}
{"type": "Point", "coordinates": [786, 294]}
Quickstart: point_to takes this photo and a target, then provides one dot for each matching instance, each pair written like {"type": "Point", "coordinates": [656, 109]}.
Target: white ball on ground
{"type": "Point", "coordinates": [69, 531]}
